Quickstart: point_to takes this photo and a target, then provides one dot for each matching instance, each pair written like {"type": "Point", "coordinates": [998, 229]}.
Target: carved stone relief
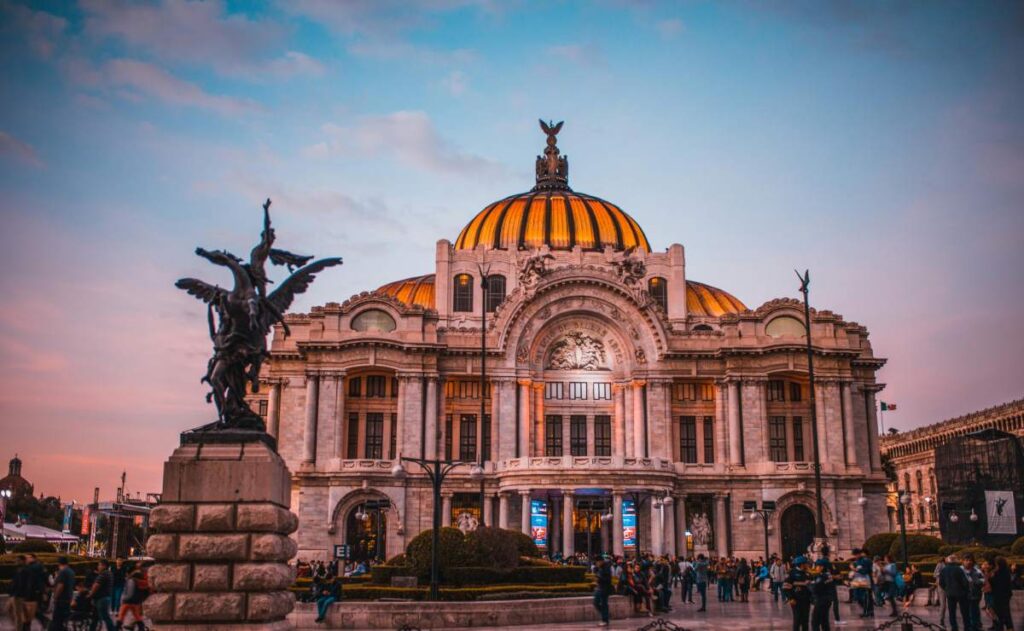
{"type": "Point", "coordinates": [577, 351]}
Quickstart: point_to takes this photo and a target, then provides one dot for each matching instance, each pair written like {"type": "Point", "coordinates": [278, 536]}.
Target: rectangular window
{"type": "Point", "coordinates": [688, 439]}
{"type": "Point", "coordinates": [684, 391]}
{"type": "Point", "coordinates": [355, 385]}
{"type": "Point", "coordinates": [467, 437]}
{"type": "Point", "coordinates": [577, 390]}
{"type": "Point", "coordinates": [264, 406]}
{"type": "Point", "coordinates": [466, 389]}
{"type": "Point", "coordinates": [392, 440]}
{"type": "Point", "coordinates": [777, 439]}
{"type": "Point", "coordinates": [495, 292]}
{"type": "Point", "coordinates": [448, 436]}
{"type": "Point", "coordinates": [376, 386]}
{"type": "Point", "coordinates": [487, 437]}
{"type": "Point", "coordinates": [776, 390]}
{"type": "Point", "coordinates": [578, 435]}
{"type": "Point", "coordinates": [553, 435]}
{"type": "Point", "coordinates": [602, 392]}
{"type": "Point", "coordinates": [602, 435]}
{"type": "Point", "coordinates": [394, 387]}
{"type": "Point", "coordinates": [449, 389]}
{"type": "Point", "coordinates": [795, 393]}
{"type": "Point", "coordinates": [353, 435]}
{"type": "Point", "coordinates": [553, 390]}
{"type": "Point", "coordinates": [707, 392]}
{"type": "Point", "coordinates": [798, 439]}
{"type": "Point", "coordinates": [374, 435]}
{"type": "Point", "coordinates": [709, 439]}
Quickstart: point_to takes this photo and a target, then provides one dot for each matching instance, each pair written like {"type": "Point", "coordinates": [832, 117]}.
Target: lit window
{"type": "Point", "coordinates": [658, 289]}
{"type": "Point", "coordinates": [463, 296]}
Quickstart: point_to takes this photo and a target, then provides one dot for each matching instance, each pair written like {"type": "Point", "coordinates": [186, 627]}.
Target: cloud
{"type": "Point", "coordinates": [408, 136]}
{"type": "Point", "coordinates": [39, 29]}
{"type": "Point", "coordinates": [11, 146]}
{"type": "Point", "coordinates": [201, 33]}
{"type": "Point", "coordinates": [456, 83]}
{"type": "Point", "coordinates": [134, 80]}
{"type": "Point", "coordinates": [670, 28]}
{"type": "Point", "coordinates": [582, 54]}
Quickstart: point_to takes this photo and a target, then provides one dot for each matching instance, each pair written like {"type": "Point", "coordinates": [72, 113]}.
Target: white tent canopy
{"type": "Point", "coordinates": [20, 532]}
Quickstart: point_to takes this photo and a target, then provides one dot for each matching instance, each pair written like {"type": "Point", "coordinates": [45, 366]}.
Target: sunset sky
{"type": "Point", "coordinates": [879, 144]}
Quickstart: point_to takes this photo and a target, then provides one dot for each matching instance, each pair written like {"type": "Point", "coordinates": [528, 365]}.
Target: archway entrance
{"type": "Point", "coordinates": [797, 526]}
{"type": "Point", "coordinates": [366, 531]}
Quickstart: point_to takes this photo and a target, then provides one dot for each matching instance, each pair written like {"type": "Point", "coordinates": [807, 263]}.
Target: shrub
{"type": "Point", "coordinates": [916, 544]}
{"type": "Point", "coordinates": [1017, 549]}
{"type": "Point", "coordinates": [950, 549]}
{"type": "Point", "coordinates": [399, 559]}
{"type": "Point", "coordinates": [33, 545]}
{"type": "Point", "coordinates": [878, 545]}
{"type": "Point", "coordinates": [525, 544]}
{"type": "Point", "coordinates": [490, 592]}
{"type": "Point", "coordinates": [491, 547]}
{"type": "Point", "coordinates": [451, 553]}
{"type": "Point", "coordinates": [382, 574]}
{"type": "Point", "coordinates": [981, 553]}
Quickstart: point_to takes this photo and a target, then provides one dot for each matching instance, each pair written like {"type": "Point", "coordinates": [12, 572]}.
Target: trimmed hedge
{"type": "Point", "coordinates": [80, 565]}
{"type": "Point", "coordinates": [492, 547]}
{"type": "Point", "coordinates": [466, 576]}
{"type": "Point", "coordinates": [490, 592]}
{"type": "Point", "coordinates": [525, 544]}
{"type": "Point", "coordinates": [916, 544]}
{"type": "Point", "coordinates": [950, 549]}
{"type": "Point", "coordinates": [981, 552]}
{"type": "Point", "coordinates": [1017, 549]}
{"type": "Point", "coordinates": [878, 545]}
{"type": "Point", "coordinates": [34, 546]}
{"type": "Point", "coordinates": [452, 551]}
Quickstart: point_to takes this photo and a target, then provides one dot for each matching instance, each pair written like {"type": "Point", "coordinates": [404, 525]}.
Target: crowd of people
{"type": "Point", "coordinates": [108, 594]}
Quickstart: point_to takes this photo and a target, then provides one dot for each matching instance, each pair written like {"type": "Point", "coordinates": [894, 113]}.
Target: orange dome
{"type": "Point", "coordinates": [701, 299]}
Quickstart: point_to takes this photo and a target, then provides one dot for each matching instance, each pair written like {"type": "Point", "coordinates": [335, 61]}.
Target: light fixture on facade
{"type": "Point", "coordinates": [953, 517]}
{"type": "Point", "coordinates": [741, 518]}
{"type": "Point", "coordinates": [862, 500]}
{"type": "Point", "coordinates": [905, 498]}
{"type": "Point", "coordinates": [974, 516]}
{"type": "Point", "coordinates": [607, 517]}
{"type": "Point", "coordinates": [398, 471]}
{"type": "Point", "coordinates": [476, 473]}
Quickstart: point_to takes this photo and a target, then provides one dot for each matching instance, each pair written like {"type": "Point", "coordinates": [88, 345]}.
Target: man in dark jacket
{"type": "Point", "coordinates": [797, 586]}
{"type": "Point", "coordinates": [100, 593]}
{"type": "Point", "coordinates": [954, 582]}
{"type": "Point", "coordinates": [37, 587]}
{"type": "Point", "coordinates": [603, 590]}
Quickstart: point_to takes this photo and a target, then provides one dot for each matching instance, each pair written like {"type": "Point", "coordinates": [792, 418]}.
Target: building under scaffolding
{"type": "Point", "coordinates": [981, 488]}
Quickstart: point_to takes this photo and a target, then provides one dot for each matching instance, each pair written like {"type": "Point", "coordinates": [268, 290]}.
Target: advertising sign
{"type": "Point", "coordinates": [1002, 516]}
{"type": "Point", "coordinates": [539, 522]}
{"type": "Point", "coordinates": [86, 518]}
{"type": "Point", "coordinates": [341, 551]}
{"type": "Point", "coordinates": [67, 519]}
{"type": "Point", "coordinates": [628, 524]}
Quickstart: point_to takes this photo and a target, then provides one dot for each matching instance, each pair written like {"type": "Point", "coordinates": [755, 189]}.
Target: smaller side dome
{"type": "Point", "coordinates": [705, 300]}
{"type": "Point", "coordinates": [417, 291]}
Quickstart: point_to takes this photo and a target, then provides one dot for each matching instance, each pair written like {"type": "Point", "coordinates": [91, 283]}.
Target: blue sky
{"type": "Point", "coordinates": [879, 144]}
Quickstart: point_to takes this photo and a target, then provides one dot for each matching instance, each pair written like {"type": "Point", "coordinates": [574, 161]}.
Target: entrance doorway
{"type": "Point", "coordinates": [797, 526]}
{"type": "Point", "coordinates": [587, 531]}
{"type": "Point", "coordinates": [366, 531]}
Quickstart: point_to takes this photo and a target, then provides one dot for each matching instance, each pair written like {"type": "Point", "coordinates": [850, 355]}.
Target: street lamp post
{"type": "Point", "coordinates": [819, 523]}
{"type": "Point", "coordinates": [484, 271]}
{"type": "Point", "coordinates": [903, 502]}
{"type": "Point", "coordinates": [437, 470]}
{"type": "Point", "coordinates": [764, 514]}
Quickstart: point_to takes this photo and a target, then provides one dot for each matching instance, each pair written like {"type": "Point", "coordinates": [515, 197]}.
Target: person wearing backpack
{"type": "Point", "coordinates": [136, 589]}
{"type": "Point", "coordinates": [976, 585]}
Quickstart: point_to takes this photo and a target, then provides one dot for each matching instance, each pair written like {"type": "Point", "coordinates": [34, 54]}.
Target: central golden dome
{"type": "Point", "coordinates": [552, 214]}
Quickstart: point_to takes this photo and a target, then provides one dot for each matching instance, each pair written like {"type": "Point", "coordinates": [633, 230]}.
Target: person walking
{"type": "Point", "coordinates": [940, 594]}
{"type": "Point", "coordinates": [63, 591]}
{"type": "Point", "coordinates": [975, 592]}
{"type": "Point", "coordinates": [136, 590]}
{"type": "Point", "coordinates": [823, 594]}
{"type": "Point", "coordinates": [953, 581]}
{"type": "Point", "coordinates": [743, 580]}
{"type": "Point", "coordinates": [120, 574]}
{"type": "Point", "coordinates": [797, 586]}
{"type": "Point", "coordinates": [777, 575]}
{"type": "Point", "coordinates": [863, 582]}
{"type": "Point", "coordinates": [686, 571]}
{"type": "Point", "coordinates": [100, 596]}
{"type": "Point", "coordinates": [602, 590]}
{"type": "Point", "coordinates": [1002, 593]}
{"type": "Point", "coordinates": [700, 580]}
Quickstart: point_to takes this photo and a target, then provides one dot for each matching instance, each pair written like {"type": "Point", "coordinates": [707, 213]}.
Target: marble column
{"type": "Point", "coordinates": [721, 526]}
{"type": "Point", "coordinates": [554, 525]}
{"type": "Point", "coordinates": [339, 417]}
{"type": "Point", "coordinates": [617, 548]}
{"type": "Point", "coordinates": [735, 457]}
{"type": "Point", "coordinates": [503, 511]}
{"type": "Point", "coordinates": [628, 425]}
{"type": "Point", "coordinates": [721, 450]}
{"type": "Point", "coordinates": [489, 510]}
{"type": "Point", "coordinates": [446, 510]}
{"type": "Point", "coordinates": [538, 420]}
{"type": "Point", "coordinates": [606, 535]}
{"type": "Point", "coordinates": [568, 532]}
{"type": "Point", "coordinates": [312, 405]}
{"type": "Point", "coordinates": [524, 418]}
{"type": "Point", "coordinates": [639, 444]}
{"type": "Point", "coordinates": [680, 507]}
{"type": "Point", "coordinates": [849, 427]}
{"type": "Point", "coordinates": [657, 526]}
{"type": "Point", "coordinates": [274, 408]}
{"type": "Point", "coordinates": [429, 449]}
{"type": "Point", "coordinates": [819, 412]}
{"type": "Point", "coordinates": [669, 527]}
{"type": "Point", "coordinates": [872, 420]}
{"type": "Point", "coordinates": [525, 521]}
{"type": "Point", "coordinates": [619, 422]}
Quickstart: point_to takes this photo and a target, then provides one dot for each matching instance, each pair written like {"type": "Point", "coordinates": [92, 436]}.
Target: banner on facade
{"type": "Point", "coordinates": [1002, 514]}
{"type": "Point", "coordinates": [67, 519]}
{"type": "Point", "coordinates": [86, 518]}
{"type": "Point", "coordinates": [628, 524]}
{"type": "Point", "coordinates": [539, 522]}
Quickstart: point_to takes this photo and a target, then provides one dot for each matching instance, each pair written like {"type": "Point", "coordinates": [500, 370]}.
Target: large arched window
{"type": "Point", "coordinates": [658, 288]}
{"type": "Point", "coordinates": [373, 320]}
{"type": "Point", "coordinates": [785, 326]}
{"type": "Point", "coordinates": [462, 294]}
{"type": "Point", "coordinates": [906, 481]}
{"type": "Point", "coordinates": [495, 293]}
{"type": "Point", "coordinates": [931, 482]}
{"type": "Point", "coordinates": [920, 483]}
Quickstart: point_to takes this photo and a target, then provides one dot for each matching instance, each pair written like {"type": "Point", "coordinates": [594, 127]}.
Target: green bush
{"type": "Point", "coordinates": [491, 547]}
{"type": "Point", "coordinates": [981, 553]}
{"type": "Point", "coordinates": [525, 544]}
{"type": "Point", "coordinates": [878, 545]}
{"type": "Point", "coordinates": [466, 576]}
{"type": "Point", "coordinates": [381, 574]}
{"type": "Point", "coordinates": [950, 549]}
{"type": "Point", "coordinates": [1017, 549]}
{"type": "Point", "coordinates": [452, 551]}
{"type": "Point", "coordinates": [490, 592]}
{"type": "Point", "coordinates": [399, 559]}
{"type": "Point", "coordinates": [916, 544]}
{"type": "Point", "coordinates": [80, 565]}
{"type": "Point", "coordinates": [33, 545]}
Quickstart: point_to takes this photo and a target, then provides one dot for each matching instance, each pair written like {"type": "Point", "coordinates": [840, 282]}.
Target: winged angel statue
{"type": "Point", "coordinates": [240, 318]}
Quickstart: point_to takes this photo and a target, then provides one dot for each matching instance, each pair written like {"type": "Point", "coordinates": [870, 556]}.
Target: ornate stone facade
{"type": "Point", "coordinates": [912, 455]}
{"type": "Point", "coordinates": [613, 381]}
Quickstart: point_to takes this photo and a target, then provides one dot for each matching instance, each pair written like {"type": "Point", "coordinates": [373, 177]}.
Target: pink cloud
{"type": "Point", "coordinates": [18, 149]}
{"type": "Point", "coordinates": [155, 82]}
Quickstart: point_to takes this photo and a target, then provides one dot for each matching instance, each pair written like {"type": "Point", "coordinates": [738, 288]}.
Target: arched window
{"type": "Point", "coordinates": [658, 288]}
{"type": "Point", "coordinates": [920, 483]}
{"type": "Point", "coordinates": [462, 293]}
{"type": "Point", "coordinates": [910, 515]}
{"type": "Point", "coordinates": [785, 326]}
{"type": "Point", "coordinates": [373, 320]}
{"type": "Point", "coordinates": [931, 481]}
{"type": "Point", "coordinates": [906, 481]}
{"type": "Point", "coordinates": [495, 292]}
{"type": "Point", "coordinates": [703, 327]}
{"type": "Point", "coordinates": [920, 514]}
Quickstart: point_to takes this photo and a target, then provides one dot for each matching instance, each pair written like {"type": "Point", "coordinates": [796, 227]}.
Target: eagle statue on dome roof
{"type": "Point", "coordinates": [552, 169]}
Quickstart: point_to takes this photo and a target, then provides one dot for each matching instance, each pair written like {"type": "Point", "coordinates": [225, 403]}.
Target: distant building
{"type": "Point", "coordinates": [13, 482]}
{"type": "Point", "coordinates": [912, 455]}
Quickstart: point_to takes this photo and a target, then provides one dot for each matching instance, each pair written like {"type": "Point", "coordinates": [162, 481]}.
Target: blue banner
{"type": "Point", "coordinates": [67, 519]}
{"type": "Point", "coordinates": [628, 524]}
{"type": "Point", "coordinates": [539, 522]}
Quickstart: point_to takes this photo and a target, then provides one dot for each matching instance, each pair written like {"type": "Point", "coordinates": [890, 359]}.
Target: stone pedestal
{"type": "Point", "coordinates": [221, 540]}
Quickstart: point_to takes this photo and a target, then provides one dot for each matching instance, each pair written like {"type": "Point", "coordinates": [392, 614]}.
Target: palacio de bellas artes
{"type": "Point", "coordinates": [612, 383]}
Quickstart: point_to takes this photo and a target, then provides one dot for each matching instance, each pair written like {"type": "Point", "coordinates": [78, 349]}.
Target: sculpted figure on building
{"type": "Point", "coordinates": [613, 381]}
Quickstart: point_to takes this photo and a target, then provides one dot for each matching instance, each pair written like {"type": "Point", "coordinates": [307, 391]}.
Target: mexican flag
{"type": "Point", "coordinates": [888, 407]}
